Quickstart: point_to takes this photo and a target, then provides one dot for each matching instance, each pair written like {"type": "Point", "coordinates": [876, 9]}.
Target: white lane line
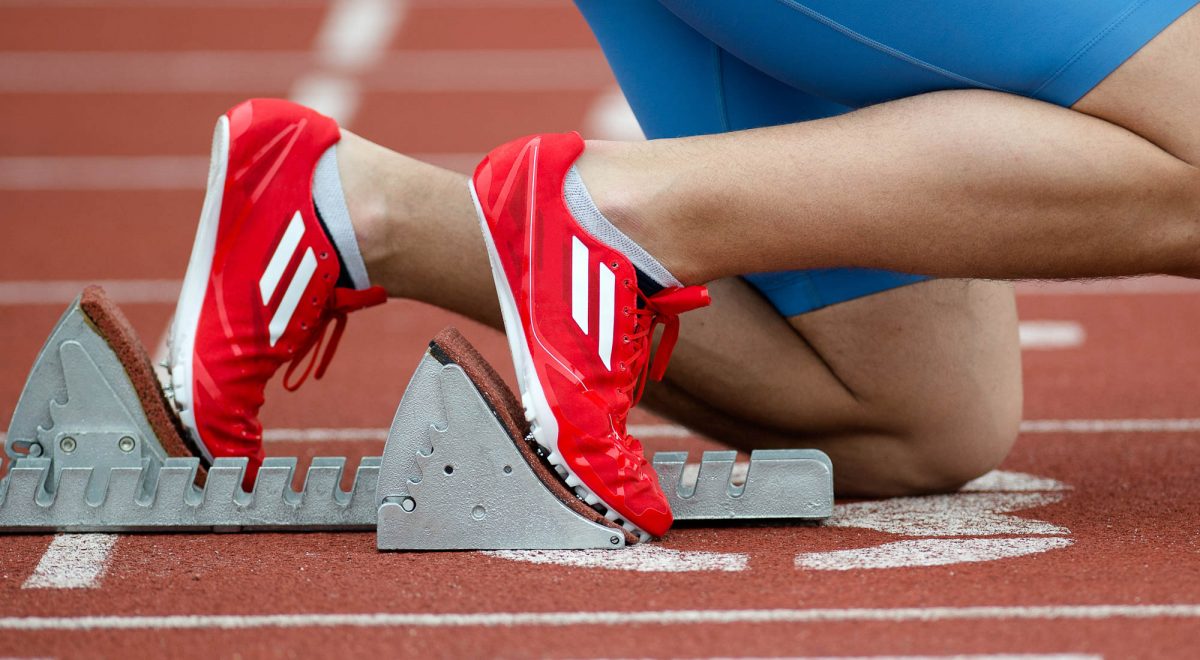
{"type": "Point", "coordinates": [60, 292]}
{"type": "Point", "coordinates": [325, 435]}
{"type": "Point", "coordinates": [354, 35]}
{"type": "Point", "coordinates": [1110, 426]}
{"type": "Point", "coordinates": [986, 656]}
{"type": "Point", "coordinates": [604, 618]}
{"type": "Point", "coordinates": [332, 95]}
{"type": "Point", "coordinates": [44, 173]}
{"type": "Point", "coordinates": [73, 561]}
{"type": "Point", "coordinates": [1044, 335]}
{"type": "Point", "coordinates": [257, 72]}
{"type": "Point", "coordinates": [611, 118]}
{"type": "Point", "coordinates": [102, 172]}
{"type": "Point", "coordinates": [356, 32]}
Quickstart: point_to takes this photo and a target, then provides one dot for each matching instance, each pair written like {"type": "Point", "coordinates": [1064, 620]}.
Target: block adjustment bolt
{"type": "Point", "coordinates": [126, 444]}
{"type": "Point", "coordinates": [67, 444]}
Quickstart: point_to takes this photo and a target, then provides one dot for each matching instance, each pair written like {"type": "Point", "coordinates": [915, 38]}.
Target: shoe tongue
{"type": "Point", "coordinates": [344, 281]}
{"type": "Point", "coordinates": [647, 286]}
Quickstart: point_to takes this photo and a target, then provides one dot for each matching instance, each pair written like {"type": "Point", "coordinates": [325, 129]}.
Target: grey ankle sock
{"type": "Point", "coordinates": [580, 203]}
{"type": "Point", "coordinates": [330, 201]}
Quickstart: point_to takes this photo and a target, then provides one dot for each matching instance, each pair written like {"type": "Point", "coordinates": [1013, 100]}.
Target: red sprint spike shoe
{"type": "Point", "coordinates": [260, 289]}
{"type": "Point", "coordinates": [579, 328]}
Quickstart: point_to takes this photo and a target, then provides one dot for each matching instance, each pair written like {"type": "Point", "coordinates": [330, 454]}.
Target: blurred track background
{"type": "Point", "coordinates": [1086, 543]}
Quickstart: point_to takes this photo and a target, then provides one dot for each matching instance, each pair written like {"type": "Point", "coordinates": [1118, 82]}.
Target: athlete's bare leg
{"type": "Point", "coordinates": [952, 184]}
{"type": "Point", "coordinates": [911, 390]}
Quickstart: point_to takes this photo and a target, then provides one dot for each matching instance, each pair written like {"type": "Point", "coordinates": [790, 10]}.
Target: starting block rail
{"type": "Point", "coordinates": [456, 471]}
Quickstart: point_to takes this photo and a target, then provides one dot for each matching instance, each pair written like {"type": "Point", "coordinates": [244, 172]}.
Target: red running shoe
{"type": "Point", "coordinates": [578, 326]}
{"type": "Point", "coordinates": [261, 286]}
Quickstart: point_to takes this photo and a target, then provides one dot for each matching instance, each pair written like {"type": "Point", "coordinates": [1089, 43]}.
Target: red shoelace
{"type": "Point", "coordinates": [663, 308]}
{"type": "Point", "coordinates": [341, 303]}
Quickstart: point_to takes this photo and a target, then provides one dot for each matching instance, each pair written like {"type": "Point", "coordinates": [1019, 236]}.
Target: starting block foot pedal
{"type": "Point", "coordinates": [457, 472]}
{"type": "Point", "coordinates": [96, 446]}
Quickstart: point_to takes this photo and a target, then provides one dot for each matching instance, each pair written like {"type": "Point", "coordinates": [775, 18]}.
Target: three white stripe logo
{"type": "Point", "coordinates": [580, 298]}
{"type": "Point", "coordinates": [271, 277]}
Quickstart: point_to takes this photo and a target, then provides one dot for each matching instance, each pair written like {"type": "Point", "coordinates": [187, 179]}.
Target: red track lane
{"type": "Point", "coordinates": [1141, 358]}
{"type": "Point", "coordinates": [498, 27]}
{"type": "Point", "coordinates": [1133, 538]}
{"type": "Point", "coordinates": [1126, 523]}
{"type": "Point", "coordinates": [1150, 639]}
{"type": "Point", "coordinates": [164, 223]}
{"type": "Point", "coordinates": [125, 125]}
{"type": "Point", "coordinates": [150, 28]}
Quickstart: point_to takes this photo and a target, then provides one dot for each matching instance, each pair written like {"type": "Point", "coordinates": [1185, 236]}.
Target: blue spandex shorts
{"type": "Point", "coordinates": [691, 67]}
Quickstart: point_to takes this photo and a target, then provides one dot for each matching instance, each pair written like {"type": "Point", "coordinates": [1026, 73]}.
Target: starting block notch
{"type": "Point", "coordinates": [456, 473]}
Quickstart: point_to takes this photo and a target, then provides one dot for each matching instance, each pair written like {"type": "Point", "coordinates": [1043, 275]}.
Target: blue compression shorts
{"type": "Point", "coordinates": [692, 67]}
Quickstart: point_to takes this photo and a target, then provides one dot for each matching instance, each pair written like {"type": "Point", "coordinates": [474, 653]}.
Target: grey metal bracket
{"type": "Point", "coordinates": [452, 479]}
{"type": "Point", "coordinates": [778, 483]}
{"type": "Point", "coordinates": [87, 459]}
{"type": "Point", "coordinates": [78, 392]}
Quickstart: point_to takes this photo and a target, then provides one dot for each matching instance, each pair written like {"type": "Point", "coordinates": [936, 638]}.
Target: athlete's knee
{"type": "Point", "coordinates": [946, 446]}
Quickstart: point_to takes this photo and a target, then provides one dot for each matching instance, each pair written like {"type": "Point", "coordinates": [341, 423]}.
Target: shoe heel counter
{"type": "Point", "coordinates": [502, 173]}
{"type": "Point", "coordinates": [255, 123]}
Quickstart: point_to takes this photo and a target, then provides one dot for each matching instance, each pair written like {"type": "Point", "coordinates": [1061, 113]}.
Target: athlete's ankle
{"type": "Point", "coordinates": [632, 196]}
{"type": "Point", "coordinates": [360, 165]}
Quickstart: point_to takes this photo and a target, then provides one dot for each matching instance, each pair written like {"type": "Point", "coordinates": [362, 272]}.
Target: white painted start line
{"type": "Point", "coordinates": [956, 528]}
{"type": "Point", "coordinates": [603, 618]}
{"type": "Point", "coordinates": [73, 561]}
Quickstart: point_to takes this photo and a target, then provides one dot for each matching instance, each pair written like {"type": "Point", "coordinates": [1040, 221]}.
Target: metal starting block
{"type": "Point", "coordinates": [94, 446]}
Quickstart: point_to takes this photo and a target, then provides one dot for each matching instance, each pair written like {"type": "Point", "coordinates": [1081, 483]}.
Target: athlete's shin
{"type": "Point", "coordinates": [416, 229]}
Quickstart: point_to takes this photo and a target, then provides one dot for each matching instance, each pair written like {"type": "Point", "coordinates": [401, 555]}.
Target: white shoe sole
{"type": "Point", "coordinates": [542, 422]}
{"type": "Point", "coordinates": [182, 339]}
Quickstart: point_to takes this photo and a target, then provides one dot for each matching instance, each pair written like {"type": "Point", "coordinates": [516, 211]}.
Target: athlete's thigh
{"type": "Point", "coordinates": [1157, 91]}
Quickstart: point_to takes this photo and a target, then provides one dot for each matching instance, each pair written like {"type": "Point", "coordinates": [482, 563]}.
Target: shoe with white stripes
{"type": "Point", "coordinates": [578, 326]}
{"type": "Point", "coordinates": [261, 284]}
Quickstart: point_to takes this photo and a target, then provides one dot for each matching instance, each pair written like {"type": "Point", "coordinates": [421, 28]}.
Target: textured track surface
{"type": "Point", "coordinates": [1086, 544]}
